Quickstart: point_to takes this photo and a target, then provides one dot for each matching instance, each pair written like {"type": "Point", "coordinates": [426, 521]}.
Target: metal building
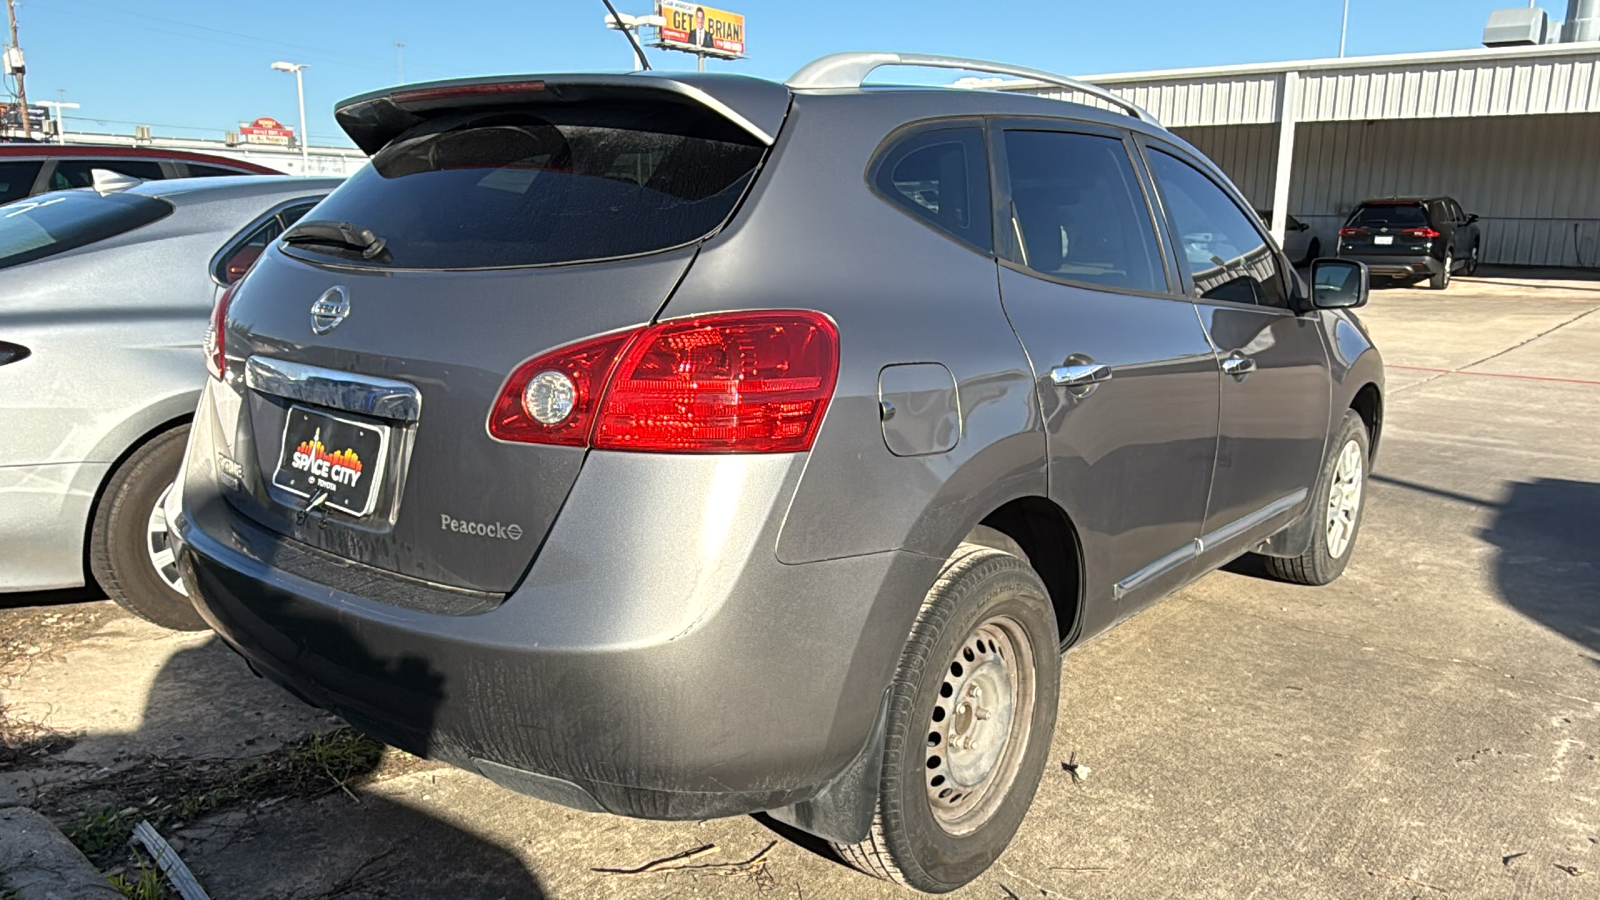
{"type": "Point", "coordinates": [1512, 133]}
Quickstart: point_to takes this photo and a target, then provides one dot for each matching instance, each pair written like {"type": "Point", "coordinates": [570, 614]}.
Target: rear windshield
{"type": "Point", "coordinates": [553, 184]}
{"type": "Point", "coordinates": [1389, 215]}
{"type": "Point", "coordinates": [66, 220]}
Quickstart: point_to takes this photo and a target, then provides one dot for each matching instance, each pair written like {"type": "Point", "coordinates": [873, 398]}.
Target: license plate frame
{"type": "Point", "coordinates": [1383, 240]}
{"type": "Point", "coordinates": [306, 478]}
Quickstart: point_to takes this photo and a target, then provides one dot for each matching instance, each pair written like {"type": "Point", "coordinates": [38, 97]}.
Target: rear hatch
{"type": "Point", "coordinates": [497, 220]}
{"type": "Point", "coordinates": [1388, 229]}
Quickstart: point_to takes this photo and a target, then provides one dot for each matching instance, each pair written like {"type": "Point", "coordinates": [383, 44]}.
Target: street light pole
{"type": "Point", "coordinates": [300, 90]}
{"type": "Point", "coordinates": [1345, 28]}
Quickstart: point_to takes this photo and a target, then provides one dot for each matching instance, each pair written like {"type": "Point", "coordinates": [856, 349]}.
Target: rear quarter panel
{"type": "Point", "coordinates": [813, 235]}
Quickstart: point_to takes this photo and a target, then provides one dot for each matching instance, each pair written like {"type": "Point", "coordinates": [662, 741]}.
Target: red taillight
{"type": "Point", "coordinates": [1352, 232]}
{"type": "Point", "coordinates": [216, 360]}
{"type": "Point", "coordinates": [756, 382]}
{"type": "Point", "coordinates": [1424, 233]}
{"type": "Point", "coordinates": [586, 366]}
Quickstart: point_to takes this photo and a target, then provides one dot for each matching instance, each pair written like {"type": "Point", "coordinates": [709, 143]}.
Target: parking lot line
{"type": "Point", "coordinates": [1494, 374]}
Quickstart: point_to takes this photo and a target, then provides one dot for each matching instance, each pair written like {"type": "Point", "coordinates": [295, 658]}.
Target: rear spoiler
{"type": "Point", "coordinates": [373, 120]}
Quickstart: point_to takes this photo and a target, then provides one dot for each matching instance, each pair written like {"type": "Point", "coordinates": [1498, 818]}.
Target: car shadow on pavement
{"type": "Point", "coordinates": [311, 818]}
{"type": "Point", "coordinates": [1548, 568]}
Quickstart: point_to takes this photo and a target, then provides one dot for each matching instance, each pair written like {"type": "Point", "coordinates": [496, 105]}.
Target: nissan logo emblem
{"type": "Point", "coordinates": [329, 310]}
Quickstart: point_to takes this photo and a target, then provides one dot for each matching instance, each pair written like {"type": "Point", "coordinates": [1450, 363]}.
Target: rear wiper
{"type": "Point", "coordinates": [345, 234]}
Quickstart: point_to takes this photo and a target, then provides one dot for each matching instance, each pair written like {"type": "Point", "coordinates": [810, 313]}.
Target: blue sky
{"type": "Point", "coordinates": [196, 68]}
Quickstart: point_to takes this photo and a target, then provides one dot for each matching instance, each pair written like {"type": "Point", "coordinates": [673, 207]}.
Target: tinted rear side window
{"type": "Point", "coordinates": [1079, 212]}
{"type": "Point", "coordinates": [16, 179]}
{"type": "Point", "coordinates": [941, 177]}
{"type": "Point", "coordinates": [76, 173]}
{"type": "Point", "coordinates": [1389, 215]}
{"type": "Point", "coordinates": [55, 223]}
{"type": "Point", "coordinates": [555, 184]}
{"type": "Point", "coordinates": [200, 170]}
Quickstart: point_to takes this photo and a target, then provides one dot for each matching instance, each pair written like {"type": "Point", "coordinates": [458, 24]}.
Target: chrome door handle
{"type": "Point", "coordinates": [1078, 376]}
{"type": "Point", "coordinates": [1238, 365]}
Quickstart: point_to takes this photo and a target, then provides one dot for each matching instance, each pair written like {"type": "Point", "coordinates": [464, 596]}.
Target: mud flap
{"type": "Point", "coordinates": [842, 810]}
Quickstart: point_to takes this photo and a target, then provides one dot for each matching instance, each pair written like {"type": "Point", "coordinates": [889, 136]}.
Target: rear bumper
{"type": "Point", "coordinates": [44, 516]}
{"type": "Point", "coordinates": [673, 670]}
{"type": "Point", "coordinates": [1420, 266]}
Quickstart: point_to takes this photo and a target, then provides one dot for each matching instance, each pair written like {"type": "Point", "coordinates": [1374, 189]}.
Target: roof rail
{"type": "Point", "coordinates": [849, 70]}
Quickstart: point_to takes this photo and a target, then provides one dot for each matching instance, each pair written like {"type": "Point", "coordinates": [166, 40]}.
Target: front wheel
{"type": "Point", "coordinates": [1312, 252]}
{"type": "Point", "coordinates": [971, 716]}
{"type": "Point", "coordinates": [1472, 262]}
{"type": "Point", "coordinates": [1338, 503]}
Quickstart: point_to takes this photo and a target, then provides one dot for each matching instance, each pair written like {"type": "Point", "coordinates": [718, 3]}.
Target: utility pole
{"type": "Point", "coordinates": [400, 61]}
{"type": "Point", "coordinates": [22, 92]}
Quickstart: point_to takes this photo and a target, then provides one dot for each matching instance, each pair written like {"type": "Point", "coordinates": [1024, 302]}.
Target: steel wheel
{"type": "Point", "coordinates": [980, 725]}
{"type": "Point", "coordinates": [159, 546]}
{"type": "Point", "coordinates": [1344, 498]}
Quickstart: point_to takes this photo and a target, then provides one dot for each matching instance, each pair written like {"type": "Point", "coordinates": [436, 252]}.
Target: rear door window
{"type": "Point", "coordinates": [17, 178]}
{"type": "Point", "coordinates": [200, 170]}
{"type": "Point", "coordinates": [47, 225]}
{"type": "Point", "coordinates": [1079, 213]}
{"type": "Point", "coordinates": [77, 173]}
{"type": "Point", "coordinates": [1389, 215]}
{"type": "Point", "coordinates": [941, 177]}
{"type": "Point", "coordinates": [1228, 257]}
{"type": "Point", "coordinates": [552, 184]}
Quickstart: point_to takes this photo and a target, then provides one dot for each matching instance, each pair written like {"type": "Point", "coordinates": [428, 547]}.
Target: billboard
{"type": "Point", "coordinates": [266, 130]}
{"type": "Point", "coordinates": [11, 116]}
{"type": "Point", "coordinates": [700, 29]}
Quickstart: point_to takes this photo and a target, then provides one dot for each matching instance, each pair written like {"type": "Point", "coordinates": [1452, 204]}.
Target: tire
{"type": "Point", "coordinates": [990, 606]}
{"type": "Point", "coordinates": [123, 541]}
{"type": "Point", "coordinates": [1472, 262]}
{"type": "Point", "coordinates": [1330, 550]}
{"type": "Point", "coordinates": [1442, 280]}
{"type": "Point", "coordinates": [1313, 250]}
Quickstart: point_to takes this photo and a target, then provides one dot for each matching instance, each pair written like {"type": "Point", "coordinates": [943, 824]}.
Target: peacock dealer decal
{"type": "Point", "coordinates": [332, 461]}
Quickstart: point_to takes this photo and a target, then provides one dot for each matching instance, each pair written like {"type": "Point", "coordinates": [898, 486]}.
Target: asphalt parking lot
{"type": "Point", "coordinates": [1428, 726]}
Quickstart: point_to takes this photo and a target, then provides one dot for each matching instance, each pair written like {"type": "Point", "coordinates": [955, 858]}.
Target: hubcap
{"type": "Point", "coordinates": [1344, 498]}
{"type": "Point", "coordinates": [158, 545]}
{"type": "Point", "coordinates": [979, 726]}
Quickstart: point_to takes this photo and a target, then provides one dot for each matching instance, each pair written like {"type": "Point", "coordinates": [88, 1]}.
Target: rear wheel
{"type": "Point", "coordinates": [129, 551]}
{"type": "Point", "coordinates": [1442, 280]}
{"type": "Point", "coordinates": [1339, 500]}
{"type": "Point", "coordinates": [971, 716]}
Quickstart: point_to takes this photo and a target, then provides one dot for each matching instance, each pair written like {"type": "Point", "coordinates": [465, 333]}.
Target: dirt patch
{"type": "Point", "coordinates": [29, 636]}
{"type": "Point", "coordinates": [98, 813]}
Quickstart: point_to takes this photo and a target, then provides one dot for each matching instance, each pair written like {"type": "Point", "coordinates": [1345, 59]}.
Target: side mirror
{"type": "Point", "coordinates": [1339, 284]}
{"type": "Point", "coordinates": [1472, 217]}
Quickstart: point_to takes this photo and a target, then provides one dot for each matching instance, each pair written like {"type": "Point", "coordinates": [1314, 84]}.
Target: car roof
{"type": "Point", "coordinates": [103, 151]}
{"type": "Point", "coordinates": [183, 191]}
{"type": "Point", "coordinates": [1400, 201]}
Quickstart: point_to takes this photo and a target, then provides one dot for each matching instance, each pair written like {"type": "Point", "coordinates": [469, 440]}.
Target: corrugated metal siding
{"type": "Point", "coordinates": [1533, 180]}
{"type": "Point", "coordinates": [1504, 88]}
{"type": "Point", "coordinates": [1427, 89]}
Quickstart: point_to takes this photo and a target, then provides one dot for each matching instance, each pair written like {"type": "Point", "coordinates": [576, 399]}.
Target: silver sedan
{"type": "Point", "coordinates": [106, 294]}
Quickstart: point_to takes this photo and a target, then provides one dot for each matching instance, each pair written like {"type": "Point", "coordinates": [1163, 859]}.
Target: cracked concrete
{"type": "Point", "coordinates": [1428, 726]}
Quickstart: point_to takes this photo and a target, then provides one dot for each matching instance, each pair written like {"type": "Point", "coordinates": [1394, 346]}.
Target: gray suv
{"type": "Point", "coordinates": [683, 445]}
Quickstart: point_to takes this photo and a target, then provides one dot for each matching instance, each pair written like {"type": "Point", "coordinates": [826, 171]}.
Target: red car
{"type": "Point", "coordinates": [28, 169]}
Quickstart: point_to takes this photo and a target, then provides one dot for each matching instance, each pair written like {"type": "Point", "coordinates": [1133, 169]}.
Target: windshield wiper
{"type": "Point", "coordinates": [344, 234]}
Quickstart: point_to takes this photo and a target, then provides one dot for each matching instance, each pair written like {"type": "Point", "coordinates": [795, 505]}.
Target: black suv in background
{"type": "Point", "coordinates": [1413, 238]}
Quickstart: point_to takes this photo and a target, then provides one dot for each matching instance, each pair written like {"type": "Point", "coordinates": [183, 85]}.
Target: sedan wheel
{"type": "Point", "coordinates": [158, 546]}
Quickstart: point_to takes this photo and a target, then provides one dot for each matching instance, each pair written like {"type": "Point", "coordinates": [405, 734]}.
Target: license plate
{"type": "Point", "coordinates": [327, 454]}
{"type": "Point", "coordinates": [1383, 240]}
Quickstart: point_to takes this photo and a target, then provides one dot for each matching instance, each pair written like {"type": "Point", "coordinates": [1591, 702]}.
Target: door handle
{"type": "Point", "coordinates": [1238, 366]}
{"type": "Point", "coordinates": [1079, 376]}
